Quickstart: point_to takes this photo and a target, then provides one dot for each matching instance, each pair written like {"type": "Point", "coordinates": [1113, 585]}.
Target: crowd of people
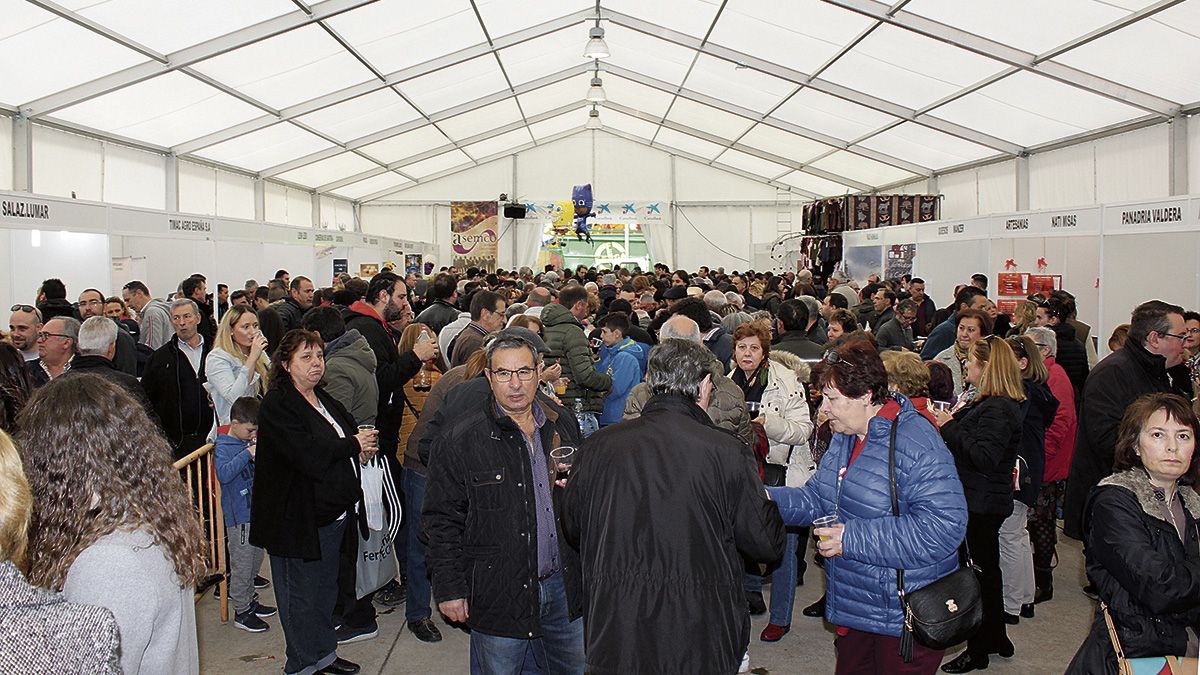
{"type": "Point", "coordinates": [590, 464]}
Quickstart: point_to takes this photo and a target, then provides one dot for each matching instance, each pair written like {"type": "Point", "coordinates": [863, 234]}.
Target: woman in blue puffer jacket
{"type": "Point", "coordinates": [868, 543]}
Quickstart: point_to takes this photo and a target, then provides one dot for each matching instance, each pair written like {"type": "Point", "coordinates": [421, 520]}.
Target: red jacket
{"type": "Point", "coordinates": [1060, 435]}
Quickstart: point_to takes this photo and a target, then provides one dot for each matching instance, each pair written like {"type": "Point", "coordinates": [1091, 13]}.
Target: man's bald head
{"type": "Point", "coordinates": [680, 327]}
{"type": "Point", "coordinates": [538, 297]}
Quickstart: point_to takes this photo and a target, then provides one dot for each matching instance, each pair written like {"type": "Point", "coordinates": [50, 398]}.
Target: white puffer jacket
{"type": "Point", "coordinates": [786, 419]}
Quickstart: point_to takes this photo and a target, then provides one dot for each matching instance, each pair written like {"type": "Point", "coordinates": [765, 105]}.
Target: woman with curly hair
{"type": "Point", "coordinates": [15, 386]}
{"type": "Point", "coordinates": [112, 525]}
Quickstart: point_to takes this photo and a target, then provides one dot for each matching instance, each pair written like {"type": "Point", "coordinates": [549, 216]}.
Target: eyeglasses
{"type": "Point", "coordinates": [1193, 331]}
{"type": "Point", "coordinates": [833, 358]}
{"type": "Point", "coordinates": [524, 374]}
{"type": "Point", "coordinates": [23, 308]}
{"type": "Point", "coordinates": [46, 336]}
{"type": "Point", "coordinates": [82, 303]}
{"type": "Point", "coordinates": [1181, 337]}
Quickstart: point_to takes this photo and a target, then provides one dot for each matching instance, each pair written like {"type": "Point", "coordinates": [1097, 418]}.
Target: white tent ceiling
{"type": "Point", "coordinates": [361, 98]}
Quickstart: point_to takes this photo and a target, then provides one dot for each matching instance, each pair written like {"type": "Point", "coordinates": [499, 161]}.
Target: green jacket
{"type": "Point", "coordinates": [568, 345]}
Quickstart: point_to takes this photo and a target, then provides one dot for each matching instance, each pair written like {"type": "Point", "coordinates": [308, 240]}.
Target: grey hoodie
{"type": "Point", "coordinates": [350, 375]}
{"type": "Point", "coordinates": [156, 329]}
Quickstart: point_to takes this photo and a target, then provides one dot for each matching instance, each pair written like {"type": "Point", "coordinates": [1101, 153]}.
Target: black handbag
{"type": "Point", "coordinates": [944, 613]}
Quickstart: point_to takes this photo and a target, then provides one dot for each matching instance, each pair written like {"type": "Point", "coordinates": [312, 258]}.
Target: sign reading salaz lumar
{"type": "Point", "coordinates": [25, 210]}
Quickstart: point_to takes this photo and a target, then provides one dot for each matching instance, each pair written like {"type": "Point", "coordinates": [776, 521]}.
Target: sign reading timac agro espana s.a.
{"type": "Point", "coordinates": [473, 234]}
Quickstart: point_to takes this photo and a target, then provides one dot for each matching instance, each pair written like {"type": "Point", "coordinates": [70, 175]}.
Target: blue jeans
{"type": "Point", "coordinates": [783, 579]}
{"type": "Point", "coordinates": [562, 639]}
{"type": "Point", "coordinates": [306, 592]}
{"type": "Point", "coordinates": [416, 606]}
{"type": "Point", "coordinates": [588, 423]}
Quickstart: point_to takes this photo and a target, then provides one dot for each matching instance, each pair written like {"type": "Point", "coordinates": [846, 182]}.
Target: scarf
{"type": "Point", "coordinates": [961, 355]}
{"type": "Point", "coordinates": [757, 384]}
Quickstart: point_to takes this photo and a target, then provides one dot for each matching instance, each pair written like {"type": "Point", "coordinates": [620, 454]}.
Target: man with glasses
{"type": "Point", "coordinates": [897, 333]}
{"type": "Point", "coordinates": [174, 381]}
{"type": "Point", "coordinates": [1151, 361]}
{"type": "Point", "coordinates": [23, 327]}
{"type": "Point", "coordinates": [57, 342]}
{"type": "Point", "coordinates": [496, 552]}
{"type": "Point", "coordinates": [91, 303]}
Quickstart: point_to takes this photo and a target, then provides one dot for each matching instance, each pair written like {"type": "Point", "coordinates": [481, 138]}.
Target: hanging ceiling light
{"type": "Point", "coordinates": [596, 47]}
{"type": "Point", "coordinates": [595, 92]}
{"type": "Point", "coordinates": [594, 119]}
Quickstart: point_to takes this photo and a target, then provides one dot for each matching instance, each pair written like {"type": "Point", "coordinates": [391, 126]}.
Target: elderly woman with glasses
{"type": "Point", "coordinates": [1060, 446]}
{"type": "Point", "coordinates": [863, 542]}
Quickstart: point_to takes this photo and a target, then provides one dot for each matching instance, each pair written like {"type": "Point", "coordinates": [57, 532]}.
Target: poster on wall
{"type": "Point", "coordinates": [863, 261]}
{"type": "Point", "coordinates": [1043, 284]}
{"type": "Point", "coordinates": [1008, 305]}
{"type": "Point", "coordinates": [412, 263]}
{"type": "Point", "coordinates": [341, 266]}
{"type": "Point", "coordinates": [900, 260]}
{"type": "Point", "coordinates": [368, 270]}
{"type": "Point", "coordinates": [1011, 283]}
{"type": "Point", "coordinates": [473, 234]}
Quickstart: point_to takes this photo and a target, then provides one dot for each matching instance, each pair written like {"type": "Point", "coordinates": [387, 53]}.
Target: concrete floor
{"type": "Point", "coordinates": [1045, 644]}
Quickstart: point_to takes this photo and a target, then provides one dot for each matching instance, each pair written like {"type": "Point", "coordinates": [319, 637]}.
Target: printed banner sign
{"type": "Point", "coordinates": [605, 212]}
{"type": "Point", "coordinates": [1011, 283]}
{"type": "Point", "coordinates": [473, 234]}
{"type": "Point", "coordinates": [412, 263]}
{"type": "Point", "coordinates": [341, 266]}
{"type": "Point", "coordinates": [900, 260]}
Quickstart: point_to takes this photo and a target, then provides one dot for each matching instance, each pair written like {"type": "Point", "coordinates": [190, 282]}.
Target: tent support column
{"type": "Point", "coordinates": [171, 164]}
{"type": "Point", "coordinates": [1022, 174]}
{"type": "Point", "coordinates": [22, 140]}
{"type": "Point", "coordinates": [260, 199]}
{"type": "Point", "coordinates": [316, 210]}
{"type": "Point", "coordinates": [1178, 154]}
{"type": "Point", "coordinates": [674, 220]}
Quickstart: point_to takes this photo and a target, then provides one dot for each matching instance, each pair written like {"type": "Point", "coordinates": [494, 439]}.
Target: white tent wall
{"type": "Point", "coordinates": [134, 178]}
{"type": "Point", "coordinates": [429, 223]}
{"type": "Point", "coordinates": [288, 205]}
{"type": "Point", "coordinates": [67, 165]}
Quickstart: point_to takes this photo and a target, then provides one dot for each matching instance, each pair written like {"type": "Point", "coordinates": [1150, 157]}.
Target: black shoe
{"type": "Point", "coordinates": [1011, 619]}
{"type": "Point", "coordinates": [1027, 611]}
{"type": "Point", "coordinates": [815, 610]}
{"type": "Point", "coordinates": [340, 666]}
{"type": "Point", "coordinates": [754, 599]}
{"type": "Point", "coordinates": [250, 623]}
{"type": "Point", "coordinates": [1042, 594]}
{"type": "Point", "coordinates": [1006, 650]}
{"type": "Point", "coordinates": [425, 630]}
{"type": "Point", "coordinates": [1090, 591]}
{"type": "Point", "coordinates": [261, 582]}
{"type": "Point", "coordinates": [965, 663]}
{"type": "Point", "coordinates": [263, 611]}
{"type": "Point", "coordinates": [391, 595]}
{"type": "Point", "coordinates": [347, 634]}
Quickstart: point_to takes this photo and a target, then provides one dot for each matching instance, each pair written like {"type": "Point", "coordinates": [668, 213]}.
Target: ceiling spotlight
{"type": "Point", "coordinates": [596, 47]}
{"type": "Point", "coordinates": [595, 92]}
{"type": "Point", "coordinates": [594, 119]}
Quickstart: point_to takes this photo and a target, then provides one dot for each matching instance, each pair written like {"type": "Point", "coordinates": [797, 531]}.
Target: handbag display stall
{"type": "Point", "coordinates": [377, 562]}
{"type": "Point", "coordinates": [944, 613]}
{"type": "Point", "coordinates": [1146, 665]}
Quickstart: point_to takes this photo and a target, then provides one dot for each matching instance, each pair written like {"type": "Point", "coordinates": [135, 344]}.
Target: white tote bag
{"type": "Point", "coordinates": [377, 563]}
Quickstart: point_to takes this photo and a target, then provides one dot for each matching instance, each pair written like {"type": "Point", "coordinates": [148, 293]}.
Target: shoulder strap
{"type": "Point", "coordinates": [892, 489]}
{"type": "Point", "coordinates": [1112, 632]}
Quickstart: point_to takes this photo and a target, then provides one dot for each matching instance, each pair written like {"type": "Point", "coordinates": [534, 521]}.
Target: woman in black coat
{"type": "Point", "coordinates": [1142, 534]}
{"type": "Point", "coordinates": [984, 437]}
{"type": "Point", "coordinates": [1037, 413]}
{"type": "Point", "coordinates": [306, 486]}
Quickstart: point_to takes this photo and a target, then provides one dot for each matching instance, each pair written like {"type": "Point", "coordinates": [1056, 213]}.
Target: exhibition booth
{"type": "Point", "coordinates": [1111, 257]}
{"type": "Point", "coordinates": [101, 245]}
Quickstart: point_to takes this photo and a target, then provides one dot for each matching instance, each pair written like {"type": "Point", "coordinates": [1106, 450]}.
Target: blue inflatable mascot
{"type": "Point", "coordinates": [581, 195]}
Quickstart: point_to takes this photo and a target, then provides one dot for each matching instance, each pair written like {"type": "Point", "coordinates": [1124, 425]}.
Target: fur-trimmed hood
{"type": "Point", "coordinates": [1137, 482]}
{"type": "Point", "coordinates": [794, 363]}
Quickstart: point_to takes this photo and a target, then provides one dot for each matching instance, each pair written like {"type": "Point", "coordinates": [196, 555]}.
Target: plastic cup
{"type": "Point", "coordinates": [825, 521]}
{"type": "Point", "coordinates": [753, 407]}
{"type": "Point", "coordinates": [560, 386]}
{"type": "Point", "coordinates": [564, 460]}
